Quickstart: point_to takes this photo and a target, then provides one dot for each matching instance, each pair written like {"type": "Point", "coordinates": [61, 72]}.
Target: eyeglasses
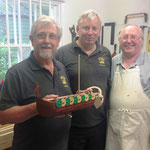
{"type": "Point", "coordinates": [42, 36]}
{"type": "Point", "coordinates": [132, 37]}
{"type": "Point", "coordinates": [87, 28]}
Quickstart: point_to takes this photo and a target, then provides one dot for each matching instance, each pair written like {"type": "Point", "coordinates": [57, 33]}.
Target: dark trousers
{"type": "Point", "coordinates": [92, 138]}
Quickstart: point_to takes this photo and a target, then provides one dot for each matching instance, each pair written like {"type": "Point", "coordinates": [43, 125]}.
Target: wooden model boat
{"type": "Point", "coordinates": [66, 104]}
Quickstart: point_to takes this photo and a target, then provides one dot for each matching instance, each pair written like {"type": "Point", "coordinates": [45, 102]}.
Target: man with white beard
{"type": "Point", "coordinates": [17, 99]}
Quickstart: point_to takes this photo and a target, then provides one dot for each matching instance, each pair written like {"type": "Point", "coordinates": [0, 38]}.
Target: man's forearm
{"type": "Point", "coordinates": [18, 114]}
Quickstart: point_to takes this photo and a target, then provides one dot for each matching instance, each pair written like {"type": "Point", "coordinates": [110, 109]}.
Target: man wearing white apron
{"type": "Point", "coordinates": [129, 109]}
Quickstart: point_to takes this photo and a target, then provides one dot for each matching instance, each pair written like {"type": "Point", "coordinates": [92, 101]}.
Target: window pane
{"type": "Point", "coordinates": [17, 24]}
{"type": "Point", "coordinates": [10, 21]}
{"type": "Point", "coordinates": [3, 62]}
{"type": "Point", "coordinates": [53, 12]}
{"type": "Point", "coordinates": [25, 25]}
{"type": "Point", "coordinates": [26, 52]}
{"type": "Point", "coordinates": [14, 55]}
{"type": "Point", "coordinates": [3, 34]}
{"type": "Point", "coordinates": [35, 11]}
{"type": "Point", "coordinates": [45, 10]}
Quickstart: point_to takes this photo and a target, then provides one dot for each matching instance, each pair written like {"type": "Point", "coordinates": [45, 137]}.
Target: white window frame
{"type": "Point", "coordinates": [58, 4]}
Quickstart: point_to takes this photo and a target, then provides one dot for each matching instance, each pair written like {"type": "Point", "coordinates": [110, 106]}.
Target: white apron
{"type": "Point", "coordinates": [129, 114]}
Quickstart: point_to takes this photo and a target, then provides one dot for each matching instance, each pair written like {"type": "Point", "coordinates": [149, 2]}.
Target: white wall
{"type": "Point", "coordinates": [74, 8]}
{"type": "Point", "coordinates": [110, 11]}
{"type": "Point", "coordinates": [125, 7]}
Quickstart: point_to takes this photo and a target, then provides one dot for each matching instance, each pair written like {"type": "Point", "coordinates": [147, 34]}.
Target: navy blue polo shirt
{"type": "Point", "coordinates": [95, 70]}
{"type": "Point", "coordinates": [37, 133]}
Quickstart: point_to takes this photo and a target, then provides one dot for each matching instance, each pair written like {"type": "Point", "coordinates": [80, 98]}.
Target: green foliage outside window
{"type": "Point", "coordinates": [3, 60]}
{"type": "Point", "coordinates": [17, 48]}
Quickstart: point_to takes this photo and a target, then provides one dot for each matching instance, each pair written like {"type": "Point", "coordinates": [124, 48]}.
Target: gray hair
{"type": "Point", "coordinates": [43, 19]}
{"type": "Point", "coordinates": [90, 14]}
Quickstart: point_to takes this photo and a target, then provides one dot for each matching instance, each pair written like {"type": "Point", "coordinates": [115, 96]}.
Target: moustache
{"type": "Point", "coordinates": [46, 46]}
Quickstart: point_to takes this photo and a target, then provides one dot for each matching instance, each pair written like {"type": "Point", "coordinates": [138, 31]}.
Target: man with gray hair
{"type": "Point", "coordinates": [18, 101]}
{"type": "Point", "coordinates": [88, 127]}
{"type": "Point", "coordinates": [129, 112]}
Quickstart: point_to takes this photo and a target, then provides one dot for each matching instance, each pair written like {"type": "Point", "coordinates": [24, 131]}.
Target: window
{"type": "Point", "coordinates": [16, 18]}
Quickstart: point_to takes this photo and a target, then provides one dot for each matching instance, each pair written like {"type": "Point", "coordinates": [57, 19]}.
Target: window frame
{"type": "Point", "coordinates": [53, 5]}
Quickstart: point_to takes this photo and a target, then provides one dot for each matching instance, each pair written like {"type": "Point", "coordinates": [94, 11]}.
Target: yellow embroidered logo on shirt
{"type": "Point", "coordinates": [64, 81]}
{"type": "Point", "coordinates": [101, 61]}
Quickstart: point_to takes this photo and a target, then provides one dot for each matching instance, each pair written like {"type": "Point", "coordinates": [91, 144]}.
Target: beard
{"type": "Point", "coordinates": [45, 55]}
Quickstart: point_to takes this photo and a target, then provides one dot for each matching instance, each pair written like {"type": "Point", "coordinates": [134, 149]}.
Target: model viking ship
{"type": "Point", "coordinates": [66, 104]}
